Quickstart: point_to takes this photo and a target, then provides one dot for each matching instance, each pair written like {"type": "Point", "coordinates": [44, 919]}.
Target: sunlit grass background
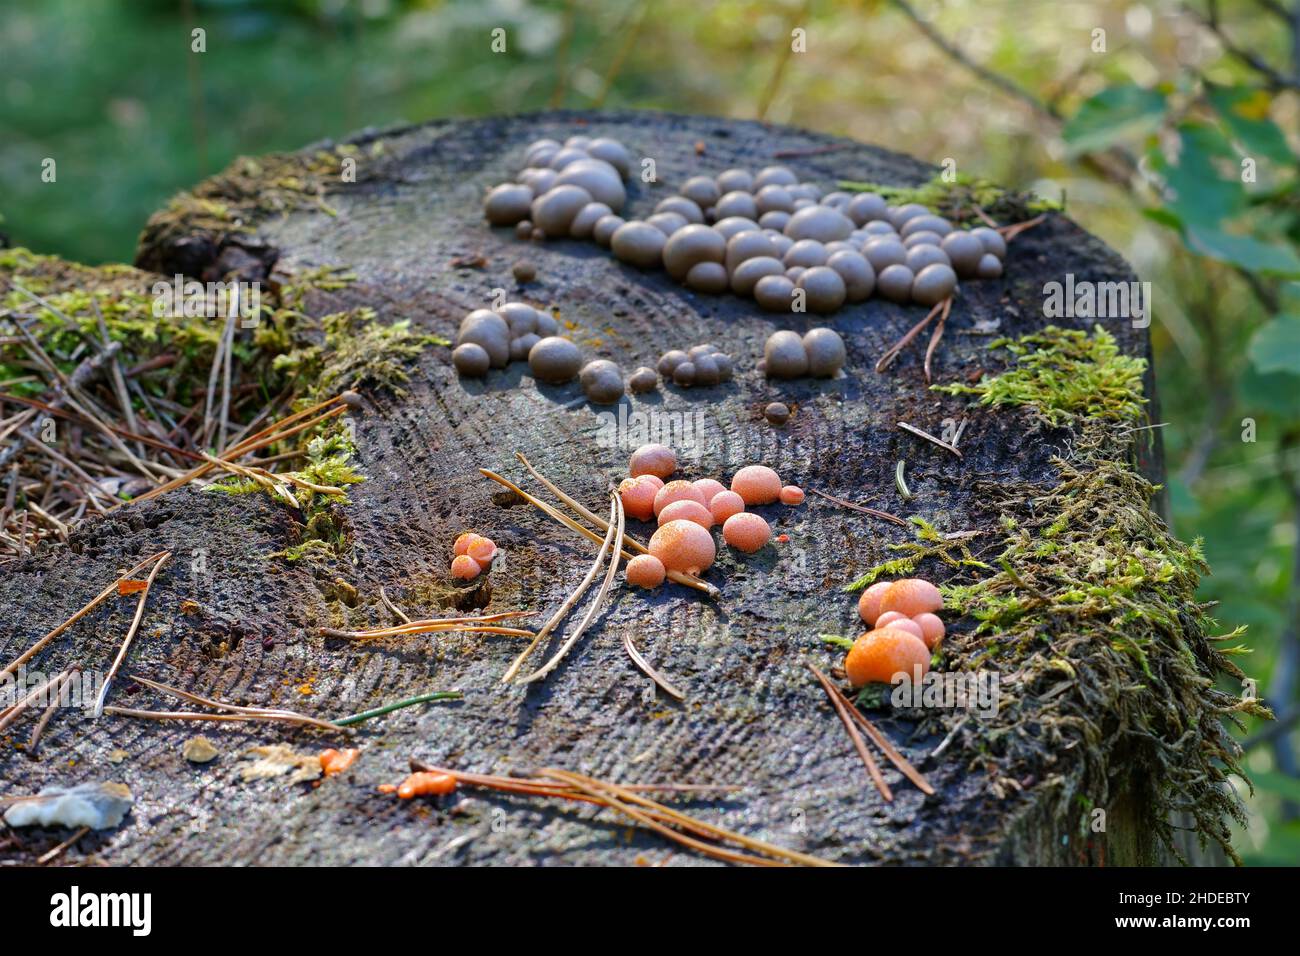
{"type": "Point", "coordinates": [111, 90]}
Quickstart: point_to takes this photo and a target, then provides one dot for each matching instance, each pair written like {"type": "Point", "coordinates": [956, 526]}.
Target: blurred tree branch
{"type": "Point", "coordinates": [1008, 86]}
{"type": "Point", "coordinates": [1275, 78]}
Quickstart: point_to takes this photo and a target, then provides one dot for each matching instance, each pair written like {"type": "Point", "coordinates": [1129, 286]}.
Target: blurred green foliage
{"type": "Point", "coordinates": [1169, 127]}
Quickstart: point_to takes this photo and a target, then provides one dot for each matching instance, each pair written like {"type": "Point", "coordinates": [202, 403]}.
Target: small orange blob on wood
{"type": "Point", "coordinates": [463, 541]}
{"type": "Point", "coordinates": [336, 761]}
{"type": "Point", "coordinates": [423, 783]}
{"type": "Point", "coordinates": [869, 603]}
{"type": "Point", "coordinates": [757, 484]}
{"type": "Point", "coordinates": [683, 546]}
{"type": "Point", "coordinates": [638, 496]}
{"type": "Point", "coordinates": [387, 788]}
{"type": "Point", "coordinates": [658, 460]}
{"type": "Point", "coordinates": [911, 596]}
{"type": "Point", "coordinates": [131, 586]}
{"type": "Point", "coordinates": [746, 532]}
{"type": "Point", "coordinates": [889, 617]}
{"type": "Point", "coordinates": [677, 491]}
{"type": "Point", "coordinates": [686, 510]}
{"type": "Point", "coordinates": [931, 628]}
{"type": "Point", "coordinates": [709, 487]}
{"type": "Point", "coordinates": [880, 654]}
{"type": "Point", "coordinates": [909, 625]}
{"type": "Point", "coordinates": [465, 568]}
{"type": "Point", "coordinates": [482, 550]}
{"type": "Point", "coordinates": [725, 504]}
{"type": "Point", "coordinates": [646, 571]}
{"type": "Point", "coordinates": [792, 495]}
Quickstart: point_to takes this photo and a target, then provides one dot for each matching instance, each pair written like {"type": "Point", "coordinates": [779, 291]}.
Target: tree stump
{"type": "Point", "coordinates": [410, 233]}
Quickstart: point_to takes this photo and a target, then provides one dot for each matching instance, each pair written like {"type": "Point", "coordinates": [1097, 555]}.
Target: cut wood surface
{"type": "Point", "coordinates": [753, 715]}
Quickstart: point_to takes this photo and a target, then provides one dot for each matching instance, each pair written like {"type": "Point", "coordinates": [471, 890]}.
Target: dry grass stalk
{"type": "Point", "coordinates": [889, 750]}
{"type": "Point", "coordinates": [130, 634]}
{"type": "Point", "coordinates": [560, 613]}
{"type": "Point", "coordinates": [1010, 232]}
{"type": "Point", "coordinates": [437, 624]}
{"type": "Point", "coordinates": [94, 602]}
{"type": "Point", "coordinates": [627, 799]}
{"type": "Point", "coordinates": [315, 415]}
{"type": "Point", "coordinates": [892, 353]}
{"type": "Point", "coordinates": [615, 533]}
{"type": "Point", "coordinates": [874, 512]}
{"type": "Point", "coordinates": [637, 815]}
{"type": "Point", "coordinates": [393, 609]}
{"type": "Point", "coordinates": [56, 695]}
{"type": "Point", "coordinates": [552, 787]}
{"type": "Point", "coordinates": [930, 438]}
{"type": "Point", "coordinates": [217, 718]}
{"type": "Point", "coordinates": [873, 770]}
{"type": "Point", "coordinates": [936, 337]}
{"type": "Point", "coordinates": [429, 628]}
{"type": "Point", "coordinates": [54, 854]}
{"type": "Point", "coordinates": [611, 790]}
{"type": "Point", "coordinates": [689, 580]}
{"type": "Point", "coordinates": [644, 665]}
{"type": "Point", "coordinates": [16, 710]}
{"type": "Point", "coordinates": [232, 711]}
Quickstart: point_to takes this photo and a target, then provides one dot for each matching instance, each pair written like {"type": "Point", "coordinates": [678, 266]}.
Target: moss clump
{"type": "Point", "coordinates": [961, 200]}
{"type": "Point", "coordinates": [1092, 618]}
{"type": "Point", "coordinates": [67, 326]}
{"type": "Point", "coordinates": [251, 190]}
{"type": "Point", "coordinates": [353, 349]}
{"type": "Point", "coordinates": [929, 543]}
{"type": "Point", "coordinates": [1065, 375]}
{"type": "Point", "coordinates": [330, 463]}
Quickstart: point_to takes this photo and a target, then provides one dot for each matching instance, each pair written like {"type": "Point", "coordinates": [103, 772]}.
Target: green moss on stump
{"type": "Point", "coordinates": [1091, 617]}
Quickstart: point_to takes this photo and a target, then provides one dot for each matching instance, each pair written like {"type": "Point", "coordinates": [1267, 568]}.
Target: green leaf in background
{"type": "Point", "coordinates": [1270, 781]}
{"type": "Point", "coordinates": [1277, 393]}
{"type": "Point", "coordinates": [1275, 346]}
{"type": "Point", "coordinates": [1245, 111]}
{"type": "Point", "coordinates": [1113, 114]}
{"type": "Point", "coordinates": [1254, 255]}
{"type": "Point", "coordinates": [1199, 188]}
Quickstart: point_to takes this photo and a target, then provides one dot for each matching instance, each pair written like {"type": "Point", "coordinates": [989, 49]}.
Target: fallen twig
{"type": "Point", "coordinates": [644, 665]}
{"type": "Point", "coordinates": [90, 606]}
{"type": "Point", "coordinates": [686, 579]}
{"type": "Point", "coordinates": [874, 512]}
{"type": "Point", "coordinates": [868, 761]}
{"type": "Point", "coordinates": [615, 533]}
{"type": "Point", "coordinates": [894, 351]}
{"type": "Point", "coordinates": [930, 438]}
{"type": "Point", "coordinates": [130, 634]}
{"type": "Point", "coordinates": [53, 854]}
{"type": "Point", "coordinates": [937, 336]}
